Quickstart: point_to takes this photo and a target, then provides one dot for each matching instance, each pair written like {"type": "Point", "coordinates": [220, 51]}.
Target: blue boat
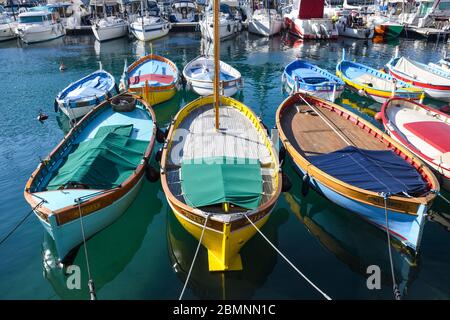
{"type": "Point", "coordinates": [95, 173]}
{"type": "Point", "coordinates": [79, 97]}
{"type": "Point", "coordinates": [302, 76]}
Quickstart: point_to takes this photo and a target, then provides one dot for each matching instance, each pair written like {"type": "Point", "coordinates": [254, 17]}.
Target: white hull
{"type": "Point", "coordinates": [206, 89]}
{"type": "Point", "coordinates": [326, 95]}
{"type": "Point", "coordinates": [310, 28]}
{"type": "Point", "coordinates": [363, 33]}
{"type": "Point", "coordinates": [149, 32]}
{"type": "Point", "coordinates": [265, 27]}
{"type": "Point", "coordinates": [31, 35]}
{"type": "Point", "coordinates": [75, 113]}
{"type": "Point", "coordinates": [7, 31]}
{"type": "Point", "coordinates": [227, 29]}
{"type": "Point", "coordinates": [110, 32]}
{"type": "Point", "coordinates": [68, 235]}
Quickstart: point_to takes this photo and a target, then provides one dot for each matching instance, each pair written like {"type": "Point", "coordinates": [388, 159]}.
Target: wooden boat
{"type": "Point", "coordinates": [423, 130]}
{"type": "Point", "coordinates": [301, 76]}
{"type": "Point", "coordinates": [79, 97]}
{"type": "Point", "coordinates": [219, 171]}
{"type": "Point", "coordinates": [199, 74]}
{"type": "Point", "coordinates": [434, 81]}
{"type": "Point", "coordinates": [154, 77]}
{"type": "Point", "coordinates": [95, 172]}
{"type": "Point", "coordinates": [355, 165]}
{"type": "Point", "coordinates": [373, 83]}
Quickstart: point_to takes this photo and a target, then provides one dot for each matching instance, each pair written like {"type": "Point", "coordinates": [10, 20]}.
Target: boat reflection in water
{"type": "Point", "coordinates": [109, 251]}
{"type": "Point", "coordinates": [352, 240]}
{"type": "Point", "coordinates": [257, 256]}
{"type": "Point", "coordinates": [117, 48]}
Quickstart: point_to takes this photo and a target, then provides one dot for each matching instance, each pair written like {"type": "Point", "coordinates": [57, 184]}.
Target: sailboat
{"type": "Point", "coordinates": [265, 22]}
{"type": "Point", "coordinates": [220, 171]}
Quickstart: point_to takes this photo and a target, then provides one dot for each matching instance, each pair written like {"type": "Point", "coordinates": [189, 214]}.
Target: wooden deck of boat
{"type": "Point", "coordinates": [310, 135]}
{"type": "Point", "coordinates": [196, 138]}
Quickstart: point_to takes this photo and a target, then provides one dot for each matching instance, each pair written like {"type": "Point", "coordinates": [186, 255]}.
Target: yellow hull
{"type": "Point", "coordinates": [223, 247]}
{"type": "Point", "coordinates": [156, 97]}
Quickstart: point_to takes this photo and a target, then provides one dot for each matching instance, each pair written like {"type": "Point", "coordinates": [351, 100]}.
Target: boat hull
{"type": "Point", "coordinates": [110, 32]}
{"type": "Point", "coordinates": [388, 31]}
{"type": "Point", "coordinates": [366, 33]}
{"type": "Point", "coordinates": [226, 30]}
{"type": "Point", "coordinates": [69, 236]}
{"type": "Point", "coordinates": [311, 28]}
{"type": "Point", "coordinates": [154, 95]}
{"type": "Point", "coordinates": [42, 34]}
{"type": "Point", "coordinates": [148, 33]}
{"type": "Point", "coordinates": [265, 28]}
{"type": "Point", "coordinates": [7, 32]}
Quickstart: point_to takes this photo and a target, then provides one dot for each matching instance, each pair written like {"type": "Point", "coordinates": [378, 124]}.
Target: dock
{"type": "Point", "coordinates": [428, 33]}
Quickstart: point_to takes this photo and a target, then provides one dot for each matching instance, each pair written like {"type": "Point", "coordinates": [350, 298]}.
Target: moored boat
{"type": "Point", "coordinates": [38, 26]}
{"type": "Point", "coordinates": [265, 22]}
{"type": "Point", "coordinates": [375, 84]}
{"type": "Point", "coordinates": [423, 130]}
{"type": "Point", "coordinates": [434, 81]}
{"type": "Point", "coordinates": [302, 76]}
{"type": "Point", "coordinates": [79, 97]}
{"type": "Point", "coordinates": [7, 26]}
{"type": "Point", "coordinates": [353, 26]}
{"type": "Point", "coordinates": [199, 75]}
{"type": "Point", "coordinates": [109, 28]}
{"type": "Point", "coordinates": [94, 173]}
{"type": "Point", "coordinates": [229, 24]}
{"type": "Point", "coordinates": [356, 166]}
{"type": "Point", "coordinates": [153, 77]}
{"type": "Point", "coordinates": [149, 25]}
{"type": "Point", "coordinates": [386, 28]}
{"type": "Point", "coordinates": [183, 11]}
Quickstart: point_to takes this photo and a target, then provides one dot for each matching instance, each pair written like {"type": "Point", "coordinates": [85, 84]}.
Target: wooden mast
{"type": "Point", "coordinates": [216, 61]}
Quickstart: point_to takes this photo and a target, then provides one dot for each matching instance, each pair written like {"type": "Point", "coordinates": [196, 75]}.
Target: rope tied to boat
{"type": "Point", "coordinates": [90, 282]}
{"type": "Point", "coordinates": [195, 257]}
{"type": "Point", "coordinates": [21, 222]}
{"type": "Point", "coordinates": [287, 260]}
{"type": "Point", "coordinates": [394, 282]}
{"type": "Point", "coordinates": [444, 198]}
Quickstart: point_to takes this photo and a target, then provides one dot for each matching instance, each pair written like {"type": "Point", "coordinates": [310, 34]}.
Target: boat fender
{"type": "Point", "coordinates": [286, 184]}
{"type": "Point", "coordinates": [55, 106]}
{"type": "Point", "coordinates": [151, 174]}
{"type": "Point", "coordinates": [116, 87]}
{"type": "Point", "coordinates": [362, 92]}
{"type": "Point", "coordinates": [282, 154]}
{"type": "Point", "coordinates": [228, 28]}
{"type": "Point", "coordinates": [234, 29]}
{"type": "Point", "coordinates": [72, 122]}
{"type": "Point", "coordinates": [305, 185]}
{"type": "Point", "coordinates": [158, 155]}
{"type": "Point", "coordinates": [378, 116]}
{"type": "Point", "coordinates": [160, 135]}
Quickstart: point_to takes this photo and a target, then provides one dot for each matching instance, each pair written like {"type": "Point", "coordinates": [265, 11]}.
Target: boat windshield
{"type": "Point", "coordinates": [32, 19]}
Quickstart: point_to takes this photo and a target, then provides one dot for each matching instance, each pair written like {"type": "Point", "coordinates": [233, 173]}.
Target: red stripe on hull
{"type": "Point", "coordinates": [418, 83]}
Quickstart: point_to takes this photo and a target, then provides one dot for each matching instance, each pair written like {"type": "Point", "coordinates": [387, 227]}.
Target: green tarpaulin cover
{"type": "Point", "coordinates": [212, 181]}
{"type": "Point", "coordinates": [103, 162]}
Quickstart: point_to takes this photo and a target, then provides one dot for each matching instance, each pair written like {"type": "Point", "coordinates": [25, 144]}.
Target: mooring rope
{"type": "Point", "coordinates": [287, 260]}
{"type": "Point", "coordinates": [195, 257]}
{"type": "Point", "coordinates": [20, 222]}
{"type": "Point", "coordinates": [90, 282]}
{"type": "Point", "coordinates": [394, 282]}
{"type": "Point", "coordinates": [444, 198]}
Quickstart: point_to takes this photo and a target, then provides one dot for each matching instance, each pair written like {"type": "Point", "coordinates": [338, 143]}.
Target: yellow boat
{"type": "Point", "coordinates": [153, 77]}
{"type": "Point", "coordinates": [220, 172]}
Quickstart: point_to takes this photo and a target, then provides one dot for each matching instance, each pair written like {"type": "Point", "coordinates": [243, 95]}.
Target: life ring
{"type": "Point", "coordinates": [123, 103]}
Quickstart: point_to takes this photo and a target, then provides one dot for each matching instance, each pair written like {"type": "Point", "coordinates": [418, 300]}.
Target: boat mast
{"type": "Point", "coordinates": [216, 62]}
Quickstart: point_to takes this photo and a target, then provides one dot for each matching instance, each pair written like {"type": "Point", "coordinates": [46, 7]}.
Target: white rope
{"type": "Point", "coordinates": [394, 282]}
{"type": "Point", "coordinates": [287, 260]}
{"type": "Point", "coordinates": [90, 282]}
{"type": "Point", "coordinates": [326, 121]}
{"type": "Point", "coordinates": [444, 198]}
{"type": "Point", "coordinates": [195, 257]}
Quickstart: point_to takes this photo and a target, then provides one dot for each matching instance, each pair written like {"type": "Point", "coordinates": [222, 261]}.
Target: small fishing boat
{"type": "Point", "coordinates": [355, 165]}
{"type": "Point", "coordinates": [353, 26]}
{"type": "Point", "coordinates": [220, 172]}
{"type": "Point", "coordinates": [434, 81]}
{"type": "Point", "coordinates": [373, 83]}
{"type": "Point", "coordinates": [265, 22]}
{"type": "Point", "coordinates": [153, 77]}
{"type": "Point", "coordinates": [387, 29]}
{"type": "Point", "coordinates": [109, 28]}
{"type": "Point", "coordinates": [183, 11]}
{"type": "Point", "coordinates": [199, 75]}
{"type": "Point", "coordinates": [7, 26]}
{"type": "Point", "coordinates": [229, 24]}
{"type": "Point", "coordinates": [302, 76]}
{"type": "Point", "coordinates": [79, 97]}
{"type": "Point", "coordinates": [39, 26]}
{"type": "Point", "coordinates": [94, 173]}
{"type": "Point", "coordinates": [423, 130]}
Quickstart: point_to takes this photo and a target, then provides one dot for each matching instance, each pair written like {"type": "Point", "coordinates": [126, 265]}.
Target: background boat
{"type": "Point", "coordinates": [38, 26]}
{"type": "Point", "coordinates": [265, 22]}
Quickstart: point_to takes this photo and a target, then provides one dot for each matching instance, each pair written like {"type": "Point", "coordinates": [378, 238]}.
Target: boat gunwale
{"type": "Point", "coordinates": [398, 135]}
{"type": "Point", "coordinates": [108, 196]}
{"type": "Point", "coordinates": [186, 210]}
{"type": "Point", "coordinates": [332, 78]}
{"type": "Point", "coordinates": [394, 203]}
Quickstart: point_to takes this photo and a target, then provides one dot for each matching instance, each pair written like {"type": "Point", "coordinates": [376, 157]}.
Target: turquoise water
{"type": "Point", "coordinates": [146, 253]}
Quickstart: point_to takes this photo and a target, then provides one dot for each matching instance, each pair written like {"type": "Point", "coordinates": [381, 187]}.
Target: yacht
{"type": "Point", "coordinates": [38, 26]}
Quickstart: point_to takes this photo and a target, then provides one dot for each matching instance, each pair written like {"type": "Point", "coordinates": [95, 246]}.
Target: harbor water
{"type": "Point", "coordinates": [146, 254]}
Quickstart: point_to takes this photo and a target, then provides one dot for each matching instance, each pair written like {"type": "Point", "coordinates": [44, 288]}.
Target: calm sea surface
{"type": "Point", "coordinates": [146, 253]}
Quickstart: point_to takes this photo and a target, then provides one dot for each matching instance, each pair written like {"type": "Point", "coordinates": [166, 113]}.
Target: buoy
{"type": "Point", "coordinates": [362, 92]}
{"type": "Point", "coordinates": [42, 116]}
{"type": "Point", "coordinates": [282, 154]}
{"type": "Point", "coordinates": [62, 67]}
{"type": "Point", "coordinates": [378, 116]}
{"type": "Point", "coordinates": [305, 185]}
{"type": "Point", "coordinates": [158, 155]}
{"type": "Point", "coordinates": [151, 173]}
{"type": "Point", "coordinates": [445, 109]}
{"type": "Point", "coordinates": [286, 184]}
{"type": "Point", "coordinates": [160, 135]}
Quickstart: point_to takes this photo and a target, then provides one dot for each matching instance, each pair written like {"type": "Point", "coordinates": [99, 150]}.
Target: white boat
{"type": "Point", "coordinates": [265, 22]}
{"type": "Point", "coordinates": [38, 26]}
{"type": "Point", "coordinates": [7, 26]}
{"type": "Point", "coordinates": [199, 75]}
{"type": "Point", "coordinates": [229, 25]}
{"type": "Point", "coordinates": [183, 11]}
{"type": "Point", "coordinates": [353, 26]}
{"type": "Point", "coordinates": [109, 28]}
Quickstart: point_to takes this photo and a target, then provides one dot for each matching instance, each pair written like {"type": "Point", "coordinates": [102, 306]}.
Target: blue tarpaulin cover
{"type": "Point", "coordinates": [374, 170]}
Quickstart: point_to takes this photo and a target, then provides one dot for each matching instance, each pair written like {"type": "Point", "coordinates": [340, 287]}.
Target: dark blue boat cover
{"type": "Point", "coordinates": [379, 171]}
